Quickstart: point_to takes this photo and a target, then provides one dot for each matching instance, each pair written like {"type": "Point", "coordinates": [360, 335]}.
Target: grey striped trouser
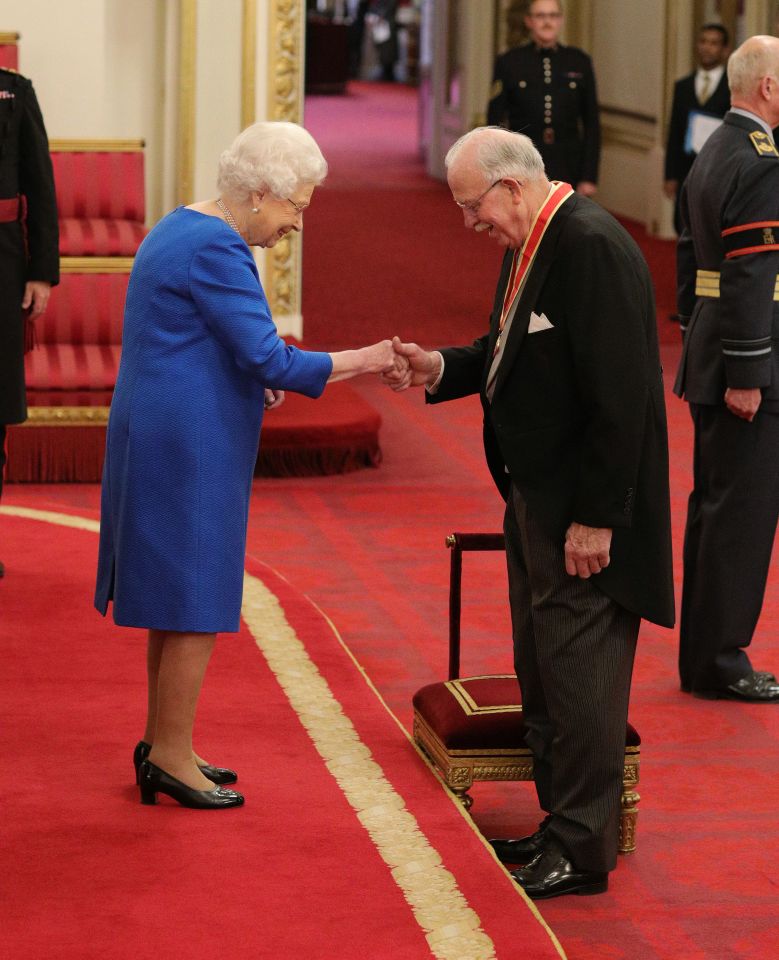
{"type": "Point", "coordinates": [573, 653]}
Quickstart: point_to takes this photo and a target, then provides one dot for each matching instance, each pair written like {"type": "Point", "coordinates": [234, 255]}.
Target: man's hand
{"type": "Point", "coordinates": [586, 188]}
{"type": "Point", "coordinates": [273, 398]}
{"type": "Point", "coordinates": [743, 403]}
{"type": "Point", "coordinates": [414, 367]}
{"type": "Point", "coordinates": [586, 550]}
{"type": "Point", "coordinates": [36, 296]}
{"type": "Point", "coordinates": [670, 187]}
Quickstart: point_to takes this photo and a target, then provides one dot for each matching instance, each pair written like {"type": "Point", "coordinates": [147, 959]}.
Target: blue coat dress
{"type": "Point", "coordinates": [198, 349]}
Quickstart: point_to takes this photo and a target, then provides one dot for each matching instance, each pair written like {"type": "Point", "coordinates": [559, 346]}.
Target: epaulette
{"type": "Point", "coordinates": [763, 144]}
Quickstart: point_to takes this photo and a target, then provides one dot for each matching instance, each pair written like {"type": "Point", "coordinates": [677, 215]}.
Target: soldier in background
{"type": "Point", "coordinates": [728, 298]}
{"type": "Point", "coordinates": [705, 90]}
{"type": "Point", "coordinates": [29, 239]}
{"type": "Point", "coordinates": [547, 91]}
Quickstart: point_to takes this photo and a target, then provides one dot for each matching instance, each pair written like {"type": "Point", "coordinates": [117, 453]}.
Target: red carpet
{"type": "Point", "coordinates": [327, 859]}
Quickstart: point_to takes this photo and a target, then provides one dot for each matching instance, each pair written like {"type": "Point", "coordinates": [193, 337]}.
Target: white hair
{"type": "Point", "coordinates": [270, 155]}
{"type": "Point", "coordinates": [500, 153]}
{"type": "Point", "coordinates": [754, 59]}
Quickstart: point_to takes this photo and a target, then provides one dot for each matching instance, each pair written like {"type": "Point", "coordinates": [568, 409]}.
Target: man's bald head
{"type": "Point", "coordinates": [753, 73]}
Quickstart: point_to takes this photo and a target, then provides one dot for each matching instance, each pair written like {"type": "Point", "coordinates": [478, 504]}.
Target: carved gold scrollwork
{"type": "Point", "coordinates": [285, 103]}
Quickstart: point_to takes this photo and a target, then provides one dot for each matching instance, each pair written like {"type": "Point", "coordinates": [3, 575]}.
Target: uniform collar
{"type": "Point", "coordinates": [755, 119]}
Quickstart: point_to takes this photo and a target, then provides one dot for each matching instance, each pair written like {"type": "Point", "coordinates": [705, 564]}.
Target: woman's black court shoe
{"type": "Point", "coordinates": [215, 774]}
{"type": "Point", "coordinates": [153, 780]}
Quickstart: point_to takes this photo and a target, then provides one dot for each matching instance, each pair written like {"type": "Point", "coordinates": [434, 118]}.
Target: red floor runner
{"type": "Point", "coordinates": [90, 873]}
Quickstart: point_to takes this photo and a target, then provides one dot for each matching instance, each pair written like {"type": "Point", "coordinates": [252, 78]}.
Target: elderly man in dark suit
{"type": "Point", "coordinates": [29, 238]}
{"type": "Point", "coordinates": [728, 260]}
{"type": "Point", "coordinates": [703, 91]}
{"type": "Point", "coordinates": [575, 436]}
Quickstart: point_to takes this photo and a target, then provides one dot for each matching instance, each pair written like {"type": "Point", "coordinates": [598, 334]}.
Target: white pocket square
{"type": "Point", "coordinates": [539, 323]}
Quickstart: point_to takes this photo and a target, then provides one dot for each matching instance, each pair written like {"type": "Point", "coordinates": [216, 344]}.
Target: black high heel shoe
{"type": "Point", "coordinates": [153, 780]}
{"type": "Point", "coordinates": [220, 775]}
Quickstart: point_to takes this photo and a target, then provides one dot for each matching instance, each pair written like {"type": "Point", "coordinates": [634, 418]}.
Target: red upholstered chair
{"type": "Point", "coordinates": [9, 50]}
{"type": "Point", "coordinates": [100, 196]}
{"type": "Point", "coordinates": [79, 338]}
{"type": "Point", "coordinates": [72, 373]}
{"type": "Point", "coordinates": [471, 728]}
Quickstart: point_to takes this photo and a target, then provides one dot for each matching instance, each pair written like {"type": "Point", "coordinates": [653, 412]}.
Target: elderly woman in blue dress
{"type": "Point", "coordinates": [201, 359]}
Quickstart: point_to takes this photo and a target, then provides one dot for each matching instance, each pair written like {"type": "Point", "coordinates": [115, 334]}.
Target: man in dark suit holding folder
{"type": "Point", "coordinates": [575, 437]}
{"type": "Point", "coordinates": [704, 91]}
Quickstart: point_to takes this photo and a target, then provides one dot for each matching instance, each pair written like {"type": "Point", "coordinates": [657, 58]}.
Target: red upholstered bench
{"type": "Point", "coordinates": [9, 50]}
{"type": "Point", "coordinates": [472, 728]}
{"type": "Point", "coordinates": [100, 196]}
{"type": "Point", "coordinates": [72, 373]}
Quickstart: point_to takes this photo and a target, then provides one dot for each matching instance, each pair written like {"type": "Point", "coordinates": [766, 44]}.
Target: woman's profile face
{"type": "Point", "coordinates": [276, 218]}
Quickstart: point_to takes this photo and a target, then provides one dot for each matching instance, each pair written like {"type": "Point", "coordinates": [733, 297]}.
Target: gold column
{"type": "Point", "coordinates": [248, 62]}
{"type": "Point", "coordinates": [286, 33]}
{"type": "Point", "coordinates": [185, 154]}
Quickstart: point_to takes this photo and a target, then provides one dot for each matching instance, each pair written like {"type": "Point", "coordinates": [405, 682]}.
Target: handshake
{"type": "Point", "coordinates": [402, 365]}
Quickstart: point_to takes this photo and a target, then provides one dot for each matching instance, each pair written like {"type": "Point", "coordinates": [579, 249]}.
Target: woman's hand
{"type": "Point", "coordinates": [377, 358]}
{"type": "Point", "coordinates": [273, 398]}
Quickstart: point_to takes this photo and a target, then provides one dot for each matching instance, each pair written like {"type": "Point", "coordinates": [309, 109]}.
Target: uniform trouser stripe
{"type": "Point", "coordinates": [731, 521]}
{"type": "Point", "coordinates": [573, 650]}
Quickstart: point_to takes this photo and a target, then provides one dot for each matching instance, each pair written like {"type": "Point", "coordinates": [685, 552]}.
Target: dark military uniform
{"type": "Point", "coordinates": [29, 240]}
{"type": "Point", "coordinates": [549, 95]}
{"type": "Point", "coordinates": [728, 260]}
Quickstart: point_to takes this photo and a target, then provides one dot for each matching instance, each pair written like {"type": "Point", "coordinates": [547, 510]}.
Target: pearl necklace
{"type": "Point", "coordinates": [227, 215]}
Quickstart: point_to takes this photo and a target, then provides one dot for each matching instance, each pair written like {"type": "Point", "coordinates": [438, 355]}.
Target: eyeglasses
{"type": "Point", "coordinates": [299, 207]}
{"type": "Point", "coordinates": [545, 16]}
{"type": "Point", "coordinates": [472, 206]}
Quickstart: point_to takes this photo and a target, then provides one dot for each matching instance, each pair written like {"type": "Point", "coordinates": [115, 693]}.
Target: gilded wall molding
{"type": "Point", "coordinates": [185, 158]}
{"type": "Point", "coordinates": [285, 102]}
{"type": "Point", "coordinates": [248, 62]}
{"type": "Point", "coordinates": [96, 146]}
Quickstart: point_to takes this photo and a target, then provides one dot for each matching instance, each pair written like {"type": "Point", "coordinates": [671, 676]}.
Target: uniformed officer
{"type": "Point", "coordinates": [29, 238]}
{"type": "Point", "coordinates": [547, 91]}
{"type": "Point", "coordinates": [728, 260]}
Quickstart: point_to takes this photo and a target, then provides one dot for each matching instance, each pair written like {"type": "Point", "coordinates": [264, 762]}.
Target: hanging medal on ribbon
{"type": "Point", "coordinates": [523, 257]}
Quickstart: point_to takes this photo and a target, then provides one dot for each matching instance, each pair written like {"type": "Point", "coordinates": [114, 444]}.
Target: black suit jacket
{"type": "Point", "coordinates": [578, 415]}
{"type": "Point", "coordinates": [677, 160]}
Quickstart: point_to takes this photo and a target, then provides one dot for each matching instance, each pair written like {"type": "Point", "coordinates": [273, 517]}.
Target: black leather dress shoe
{"type": "Point", "coordinates": [154, 780]}
{"type": "Point", "coordinates": [715, 694]}
{"type": "Point", "coordinates": [221, 775]}
{"type": "Point", "coordinates": [756, 687]}
{"type": "Point", "coordinates": [552, 874]}
{"type": "Point", "coordinates": [523, 849]}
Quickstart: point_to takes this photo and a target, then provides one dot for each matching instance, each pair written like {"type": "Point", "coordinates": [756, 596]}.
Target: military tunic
{"type": "Point", "coordinates": [728, 302]}
{"type": "Point", "coordinates": [29, 250]}
{"type": "Point", "coordinates": [550, 95]}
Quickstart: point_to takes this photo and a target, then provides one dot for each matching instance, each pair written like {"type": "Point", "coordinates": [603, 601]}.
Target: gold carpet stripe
{"type": "Point", "coordinates": [47, 516]}
{"type": "Point", "coordinates": [452, 928]}
{"type": "Point", "coordinates": [457, 804]}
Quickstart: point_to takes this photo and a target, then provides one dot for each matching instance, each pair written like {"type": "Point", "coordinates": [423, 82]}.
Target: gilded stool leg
{"type": "Point", "coordinates": [460, 780]}
{"type": "Point", "coordinates": [629, 812]}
